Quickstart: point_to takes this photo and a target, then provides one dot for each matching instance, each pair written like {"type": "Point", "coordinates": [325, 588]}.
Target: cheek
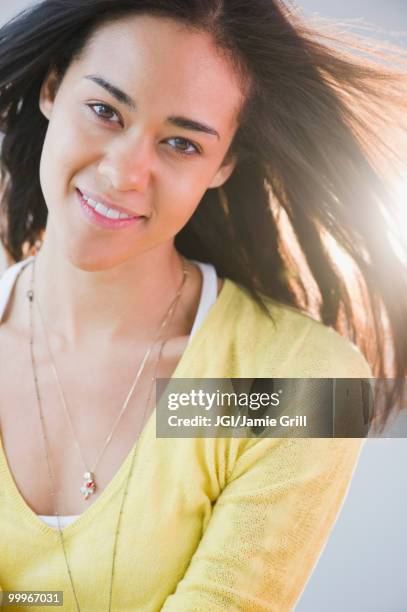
{"type": "Point", "coordinates": [179, 196]}
{"type": "Point", "coordinates": [188, 183]}
{"type": "Point", "coordinates": [66, 150]}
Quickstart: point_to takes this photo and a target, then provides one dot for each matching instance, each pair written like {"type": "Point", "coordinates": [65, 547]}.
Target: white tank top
{"type": "Point", "coordinates": [208, 297]}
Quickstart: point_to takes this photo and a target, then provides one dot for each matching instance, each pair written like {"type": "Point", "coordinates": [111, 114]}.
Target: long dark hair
{"type": "Point", "coordinates": [312, 119]}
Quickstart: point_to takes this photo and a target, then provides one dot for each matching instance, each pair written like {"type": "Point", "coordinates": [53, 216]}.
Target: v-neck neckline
{"type": "Point", "coordinates": [181, 371]}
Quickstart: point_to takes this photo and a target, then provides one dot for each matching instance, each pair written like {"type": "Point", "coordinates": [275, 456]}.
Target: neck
{"type": "Point", "coordinates": [125, 301]}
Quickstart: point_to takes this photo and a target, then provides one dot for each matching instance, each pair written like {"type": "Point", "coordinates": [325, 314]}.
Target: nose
{"type": "Point", "coordinates": [127, 165]}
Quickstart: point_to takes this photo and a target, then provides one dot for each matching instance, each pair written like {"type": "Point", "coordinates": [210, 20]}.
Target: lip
{"type": "Point", "coordinates": [97, 219]}
{"type": "Point", "coordinates": [109, 203]}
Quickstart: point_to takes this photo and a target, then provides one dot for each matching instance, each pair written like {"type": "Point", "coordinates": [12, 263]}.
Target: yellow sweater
{"type": "Point", "coordinates": [209, 524]}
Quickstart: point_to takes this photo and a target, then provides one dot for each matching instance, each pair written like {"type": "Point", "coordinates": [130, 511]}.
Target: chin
{"type": "Point", "coordinates": [93, 261]}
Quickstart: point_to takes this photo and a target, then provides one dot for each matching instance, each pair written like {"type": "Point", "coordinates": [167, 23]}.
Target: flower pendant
{"type": "Point", "coordinates": [89, 486]}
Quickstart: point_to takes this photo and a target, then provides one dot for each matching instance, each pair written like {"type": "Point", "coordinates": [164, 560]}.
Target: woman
{"type": "Point", "coordinates": [143, 144]}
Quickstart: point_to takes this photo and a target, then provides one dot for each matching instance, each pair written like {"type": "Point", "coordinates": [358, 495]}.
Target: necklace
{"type": "Point", "coordinates": [169, 314]}
{"type": "Point", "coordinates": [88, 487]}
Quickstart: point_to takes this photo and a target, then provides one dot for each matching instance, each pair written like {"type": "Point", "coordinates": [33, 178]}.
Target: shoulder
{"type": "Point", "coordinates": [290, 342]}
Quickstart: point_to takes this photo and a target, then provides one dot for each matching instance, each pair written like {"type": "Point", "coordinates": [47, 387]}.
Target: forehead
{"type": "Point", "coordinates": [165, 65]}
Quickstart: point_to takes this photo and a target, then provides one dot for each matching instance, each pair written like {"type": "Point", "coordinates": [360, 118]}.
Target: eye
{"type": "Point", "coordinates": [104, 112]}
{"type": "Point", "coordinates": [186, 150]}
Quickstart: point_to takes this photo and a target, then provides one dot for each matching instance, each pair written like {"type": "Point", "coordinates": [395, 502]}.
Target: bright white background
{"type": "Point", "coordinates": [363, 566]}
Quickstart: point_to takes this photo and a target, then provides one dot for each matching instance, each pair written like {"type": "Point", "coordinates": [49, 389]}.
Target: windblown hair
{"type": "Point", "coordinates": [311, 129]}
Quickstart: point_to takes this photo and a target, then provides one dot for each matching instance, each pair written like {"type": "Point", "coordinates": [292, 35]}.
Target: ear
{"type": "Point", "coordinates": [48, 92]}
{"type": "Point", "coordinates": [223, 173]}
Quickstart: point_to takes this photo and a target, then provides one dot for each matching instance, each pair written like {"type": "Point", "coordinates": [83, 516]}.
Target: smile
{"type": "Point", "coordinates": [102, 216]}
{"type": "Point", "coordinates": [110, 213]}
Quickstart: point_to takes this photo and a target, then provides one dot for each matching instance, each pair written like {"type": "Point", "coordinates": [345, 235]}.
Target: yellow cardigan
{"type": "Point", "coordinates": [209, 524]}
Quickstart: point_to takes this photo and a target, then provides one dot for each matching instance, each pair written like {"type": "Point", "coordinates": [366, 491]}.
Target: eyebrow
{"type": "Point", "coordinates": [179, 121]}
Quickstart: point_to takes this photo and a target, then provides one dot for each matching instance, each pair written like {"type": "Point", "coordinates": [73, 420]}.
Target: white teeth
{"type": "Point", "coordinates": [113, 214]}
{"type": "Point", "coordinates": [100, 208]}
{"type": "Point", "coordinates": [110, 213]}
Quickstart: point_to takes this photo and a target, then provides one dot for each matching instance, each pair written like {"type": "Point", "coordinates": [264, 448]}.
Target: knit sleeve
{"type": "Point", "coordinates": [271, 521]}
{"type": "Point", "coordinates": [268, 526]}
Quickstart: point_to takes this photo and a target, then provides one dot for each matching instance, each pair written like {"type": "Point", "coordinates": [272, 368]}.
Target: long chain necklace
{"type": "Point", "coordinates": [89, 485]}
{"type": "Point", "coordinates": [168, 317]}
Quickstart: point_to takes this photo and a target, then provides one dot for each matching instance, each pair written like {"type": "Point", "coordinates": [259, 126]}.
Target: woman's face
{"type": "Point", "coordinates": [141, 122]}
